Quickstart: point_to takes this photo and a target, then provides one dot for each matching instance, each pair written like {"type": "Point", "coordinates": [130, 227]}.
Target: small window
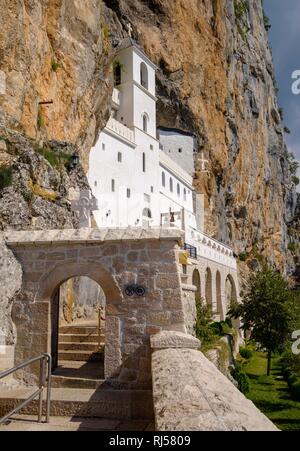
{"type": "Point", "coordinates": [171, 185]}
{"type": "Point", "coordinates": [180, 150]}
{"type": "Point", "coordinates": [144, 162]}
{"type": "Point", "coordinates": [178, 189]}
{"type": "Point", "coordinates": [152, 189]}
{"type": "Point", "coordinates": [163, 179]}
{"type": "Point", "coordinates": [96, 183]}
{"type": "Point", "coordinates": [128, 193]}
{"type": "Point", "coordinates": [119, 157]}
{"type": "Point", "coordinates": [144, 75]}
{"type": "Point", "coordinates": [151, 147]}
{"type": "Point", "coordinates": [113, 185]}
{"type": "Point", "coordinates": [145, 123]}
{"type": "Point", "coordinates": [184, 194]}
{"type": "Point", "coordinates": [103, 146]}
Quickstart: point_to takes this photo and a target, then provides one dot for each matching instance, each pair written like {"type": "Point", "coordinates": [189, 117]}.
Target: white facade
{"type": "Point", "coordinates": [179, 146]}
{"type": "Point", "coordinates": [134, 181]}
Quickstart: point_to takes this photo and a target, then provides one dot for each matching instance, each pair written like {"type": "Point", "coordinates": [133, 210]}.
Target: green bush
{"type": "Point", "coordinates": [295, 390]}
{"type": "Point", "coordinates": [246, 353]}
{"type": "Point", "coordinates": [5, 177]}
{"type": "Point", "coordinates": [243, 256]}
{"type": "Point", "coordinates": [241, 378]}
{"type": "Point", "coordinates": [292, 379]}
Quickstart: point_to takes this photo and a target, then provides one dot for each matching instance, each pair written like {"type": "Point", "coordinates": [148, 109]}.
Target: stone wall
{"type": "Point", "coordinates": [113, 258]}
{"type": "Point", "coordinates": [10, 283]}
{"type": "Point", "coordinates": [190, 394]}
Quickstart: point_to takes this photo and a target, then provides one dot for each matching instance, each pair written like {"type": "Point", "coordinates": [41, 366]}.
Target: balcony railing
{"type": "Point", "coordinates": [120, 129]}
{"type": "Point", "coordinates": [210, 248]}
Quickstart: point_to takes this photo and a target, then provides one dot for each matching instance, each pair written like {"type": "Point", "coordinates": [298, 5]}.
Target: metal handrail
{"type": "Point", "coordinates": [44, 381]}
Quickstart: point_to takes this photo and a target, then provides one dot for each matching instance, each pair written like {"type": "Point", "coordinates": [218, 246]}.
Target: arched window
{"type": "Point", "coordinates": [144, 162]}
{"type": "Point", "coordinates": [171, 184]}
{"type": "Point", "coordinates": [145, 122]}
{"type": "Point", "coordinates": [163, 179]}
{"type": "Point", "coordinates": [184, 194]}
{"type": "Point", "coordinates": [144, 75]}
{"type": "Point", "coordinates": [178, 189]}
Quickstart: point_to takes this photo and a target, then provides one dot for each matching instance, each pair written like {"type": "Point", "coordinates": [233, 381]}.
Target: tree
{"type": "Point", "coordinates": [265, 311]}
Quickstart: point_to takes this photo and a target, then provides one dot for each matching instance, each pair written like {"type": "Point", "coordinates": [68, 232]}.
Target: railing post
{"type": "Point", "coordinates": [99, 329]}
{"type": "Point", "coordinates": [48, 396]}
{"type": "Point", "coordinates": [41, 387]}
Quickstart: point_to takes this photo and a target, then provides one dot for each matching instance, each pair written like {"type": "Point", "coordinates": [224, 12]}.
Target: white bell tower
{"type": "Point", "coordinates": [134, 76]}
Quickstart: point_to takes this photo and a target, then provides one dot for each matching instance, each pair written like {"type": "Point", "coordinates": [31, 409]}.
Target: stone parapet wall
{"type": "Point", "coordinates": [190, 393]}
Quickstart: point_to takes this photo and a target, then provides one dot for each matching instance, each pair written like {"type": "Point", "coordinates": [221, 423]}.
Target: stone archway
{"type": "Point", "coordinates": [230, 291]}
{"type": "Point", "coordinates": [208, 288]}
{"type": "Point", "coordinates": [219, 296]}
{"type": "Point", "coordinates": [196, 280]}
{"type": "Point", "coordinates": [120, 261]}
{"type": "Point", "coordinates": [48, 292]}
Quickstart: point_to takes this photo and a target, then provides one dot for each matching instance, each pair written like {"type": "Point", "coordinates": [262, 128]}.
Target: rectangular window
{"type": "Point", "coordinates": [119, 157]}
{"type": "Point", "coordinates": [151, 147]}
{"type": "Point", "coordinates": [128, 193]}
{"type": "Point", "coordinates": [144, 162]}
{"type": "Point", "coordinates": [103, 146]}
{"type": "Point", "coordinates": [113, 186]}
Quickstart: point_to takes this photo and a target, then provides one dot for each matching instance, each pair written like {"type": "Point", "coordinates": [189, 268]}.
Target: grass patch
{"type": "Point", "coordinates": [55, 159]}
{"type": "Point", "coordinates": [271, 394]}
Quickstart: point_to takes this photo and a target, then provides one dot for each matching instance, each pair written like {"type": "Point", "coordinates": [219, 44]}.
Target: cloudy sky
{"type": "Point", "coordinates": [285, 41]}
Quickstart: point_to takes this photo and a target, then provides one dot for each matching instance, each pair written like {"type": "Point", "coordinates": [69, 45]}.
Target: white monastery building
{"type": "Point", "coordinates": [141, 175]}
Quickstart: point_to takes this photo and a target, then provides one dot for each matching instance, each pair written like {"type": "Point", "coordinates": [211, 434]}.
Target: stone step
{"type": "Point", "coordinates": [80, 338]}
{"type": "Point", "coordinates": [29, 423]}
{"type": "Point", "coordinates": [81, 356]}
{"type": "Point", "coordinates": [92, 347]}
{"type": "Point", "coordinates": [100, 403]}
{"type": "Point", "coordinates": [78, 330]}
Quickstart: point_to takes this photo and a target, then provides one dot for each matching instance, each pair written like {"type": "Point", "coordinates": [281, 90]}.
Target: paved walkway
{"type": "Point", "coordinates": [29, 423]}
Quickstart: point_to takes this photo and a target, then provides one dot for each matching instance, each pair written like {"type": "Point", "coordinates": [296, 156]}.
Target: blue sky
{"type": "Point", "coordinates": [285, 41]}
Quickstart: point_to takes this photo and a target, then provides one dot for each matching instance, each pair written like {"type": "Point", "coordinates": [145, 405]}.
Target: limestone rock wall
{"type": "Point", "coordinates": [190, 394]}
{"type": "Point", "coordinates": [55, 51]}
{"type": "Point", "coordinates": [216, 79]}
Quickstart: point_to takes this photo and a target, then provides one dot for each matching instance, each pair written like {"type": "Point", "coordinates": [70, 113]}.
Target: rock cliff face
{"type": "Point", "coordinates": [215, 78]}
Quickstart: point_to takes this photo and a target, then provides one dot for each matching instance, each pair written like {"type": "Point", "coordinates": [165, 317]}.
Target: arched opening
{"type": "Point", "coordinates": [147, 216]}
{"type": "Point", "coordinates": [49, 293]}
{"type": "Point", "coordinates": [145, 122]}
{"type": "Point", "coordinates": [144, 75]}
{"type": "Point", "coordinates": [208, 287]}
{"type": "Point", "coordinates": [78, 329]}
{"type": "Point", "coordinates": [163, 179]}
{"type": "Point", "coordinates": [197, 283]}
{"type": "Point", "coordinates": [231, 298]}
{"type": "Point", "coordinates": [230, 291]}
{"type": "Point", "coordinates": [219, 296]}
{"type": "Point", "coordinates": [171, 184]}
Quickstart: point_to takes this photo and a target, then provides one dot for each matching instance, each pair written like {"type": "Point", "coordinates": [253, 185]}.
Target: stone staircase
{"type": "Point", "coordinates": [79, 389]}
{"type": "Point", "coordinates": [80, 344]}
{"type": "Point", "coordinates": [80, 361]}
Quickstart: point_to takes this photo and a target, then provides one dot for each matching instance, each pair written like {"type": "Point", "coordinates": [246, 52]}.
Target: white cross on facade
{"type": "Point", "coordinates": [129, 29]}
{"type": "Point", "coordinates": [85, 205]}
{"type": "Point", "coordinates": [203, 163]}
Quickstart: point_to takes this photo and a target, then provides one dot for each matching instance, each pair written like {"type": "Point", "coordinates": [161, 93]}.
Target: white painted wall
{"type": "Point", "coordinates": [172, 141]}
